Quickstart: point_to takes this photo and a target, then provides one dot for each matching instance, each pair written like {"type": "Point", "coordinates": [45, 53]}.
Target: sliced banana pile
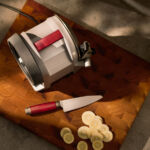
{"type": "Point", "coordinates": [67, 135]}
{"type": "Point", "coordinates": [96, 130]}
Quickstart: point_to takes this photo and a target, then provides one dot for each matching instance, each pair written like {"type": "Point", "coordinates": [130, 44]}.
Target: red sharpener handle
{"type": "Point", "coordinates": [41, 108]}
{"type": "Point", "coordinates": [48, 40]}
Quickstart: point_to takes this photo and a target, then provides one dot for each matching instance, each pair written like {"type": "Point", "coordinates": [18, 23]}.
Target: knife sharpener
{"type": "Point", "coordinates": [49, 51]}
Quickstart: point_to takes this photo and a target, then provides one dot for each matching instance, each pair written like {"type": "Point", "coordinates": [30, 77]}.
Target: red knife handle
{"type": "Point", "coordinates": [40, 108]}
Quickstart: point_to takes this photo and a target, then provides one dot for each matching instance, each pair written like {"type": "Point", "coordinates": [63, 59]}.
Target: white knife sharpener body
{"type": "Point", "coordinates": [48, 51]}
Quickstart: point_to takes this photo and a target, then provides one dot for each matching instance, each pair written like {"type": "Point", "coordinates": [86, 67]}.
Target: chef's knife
{"type": "Point", "coordinates": [67, 105]}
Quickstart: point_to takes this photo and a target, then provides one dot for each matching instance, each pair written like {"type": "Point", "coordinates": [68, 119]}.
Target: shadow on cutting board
{"type": "Point", "coordinates": [114, 73]}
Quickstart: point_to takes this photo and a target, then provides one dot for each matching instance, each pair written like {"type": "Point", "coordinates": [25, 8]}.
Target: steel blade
{"type": "Point", "coordinates": [75, 103]}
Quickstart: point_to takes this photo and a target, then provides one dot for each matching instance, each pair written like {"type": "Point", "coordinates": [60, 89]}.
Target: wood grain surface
{"type": "Point", "coordinates": [121, 77]}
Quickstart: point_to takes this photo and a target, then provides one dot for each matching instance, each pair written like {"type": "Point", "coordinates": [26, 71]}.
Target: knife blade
{"type": "Point", "coordinates": [75, 103]}
{"type": "Point", "coordinates": [66, 105]}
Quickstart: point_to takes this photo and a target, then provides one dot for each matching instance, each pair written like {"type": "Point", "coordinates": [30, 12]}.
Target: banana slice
{"type": "Point", "coordinates": [84, 132]}
{"type": "Point", "coordinates": [68, 138]}
{"type": "Point", "coordinates": [103, 128]}
{"type": "Point", "coordinates": [64, 131]}
{"type": "Point", "coordinates": [87, 117]}
{"type": "Point", "coordinates": [97, 145]}
{"type": "Point", "coordinates": [95, 135]}
{"type": "Point", "coordinates": [100, 118]}
{"type": "Point", "coordinates": [95, 123]}
{"type": "Point", "coordinates": [108, 136]}
{"type": "Point", "coordinates": [82, 145]}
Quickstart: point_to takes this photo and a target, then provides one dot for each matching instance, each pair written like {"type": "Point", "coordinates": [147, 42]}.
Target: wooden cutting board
{"type": "Point", "coordinates": [121, 77]}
